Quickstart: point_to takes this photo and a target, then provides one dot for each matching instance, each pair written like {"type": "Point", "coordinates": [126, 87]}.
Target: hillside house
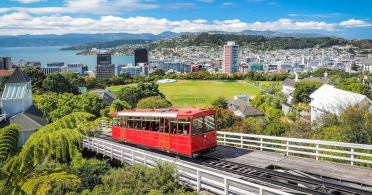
{"type": "Point", "coordinates": [17, 106]}
{"type": "Point", "coordinates": [289, 84]}
{"type": "Point", "coordinates": [332, 100]}
{"type": "Point", "coordinates": [241, 107]}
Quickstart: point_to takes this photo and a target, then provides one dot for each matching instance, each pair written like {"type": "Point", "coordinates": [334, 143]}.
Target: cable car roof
{"type": "Point", "coordinates": [166, 113]}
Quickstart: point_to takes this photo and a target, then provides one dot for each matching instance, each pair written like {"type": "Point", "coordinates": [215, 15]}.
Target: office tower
{"type": "Point", "coordinates": [230, 62]}
{"type": "Point", "coordinates": [141, 56]}
{"type": "Point", "coordinates": [104, 69]}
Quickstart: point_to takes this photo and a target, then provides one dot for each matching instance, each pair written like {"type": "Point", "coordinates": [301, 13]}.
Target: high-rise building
{"type": "Point", "coordinates": [230, 62]}
{"type": "Point", "coordinates": [104, 69]}
{"type": "Point", "coordinates": [104, 58]}
{"type": "Point", "coordinates": [6, 63]}
{"type": "Point", "coordinates": [141, 56]}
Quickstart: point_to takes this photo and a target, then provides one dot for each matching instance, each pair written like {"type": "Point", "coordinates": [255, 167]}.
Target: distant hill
{"type": "Point", "coordinates": [76, 39]}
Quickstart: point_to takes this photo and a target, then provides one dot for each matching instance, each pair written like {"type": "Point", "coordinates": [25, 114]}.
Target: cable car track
{"type": "Point", "coordinates": [267, 177]}
{"type": "Point", "coordinates": [282, 179]}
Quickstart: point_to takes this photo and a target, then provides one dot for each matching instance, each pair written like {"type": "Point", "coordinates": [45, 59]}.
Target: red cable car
{"type": "Point", "coordinates": [188, 132]}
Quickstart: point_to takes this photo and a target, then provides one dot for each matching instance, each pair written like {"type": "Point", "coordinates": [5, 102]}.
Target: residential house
{"type": "Point", "coordinates": [289, 84]}
{"type": "Point", "coordinates": [328, 99]}
{"type": "Point", "coordinates": [107, 96]}
{"type": "Point", "coordinates": [241, 107]}
{"type": "Point", "coordinates": [17, 106]}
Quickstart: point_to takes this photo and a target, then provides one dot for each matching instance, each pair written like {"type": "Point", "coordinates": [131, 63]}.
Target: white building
{"type": "Point", "coordinates": [17, 106]}
{"type": "Point", "coordinates": [230, 57]}
{"type": "Point", "coordinates": [328, 99]}
{"type": "Point", "coordinates": [75, 67]}
{"type": "Point", "coordinates": [132, 70]}
{"type": "Point", "coordinates": [48, 70]}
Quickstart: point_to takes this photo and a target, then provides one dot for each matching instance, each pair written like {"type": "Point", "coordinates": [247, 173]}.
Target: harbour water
{"type": "Point", "coordinates": [52, 54]}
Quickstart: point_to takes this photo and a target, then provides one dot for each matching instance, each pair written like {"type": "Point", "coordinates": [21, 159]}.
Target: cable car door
{"type": "Point", "coordinates": [164, 137]}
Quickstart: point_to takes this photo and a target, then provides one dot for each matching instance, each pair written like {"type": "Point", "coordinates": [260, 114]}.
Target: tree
{"type": "Point", "coordinates": [153, 102]}
{"type": "Point", "coordinates": [158, 72]}
{"type": "Point", "coordinates": [91, 103]}
{"type": "Point", "coordinates": [55, 82]}
{"type": "Point", "coordinates": [3, 81]}
{"type": "Point", "coordinates": [129, 94]}
{"type": "Point", "coordinates": [220, 102]}
{"type": "Point", "coordinates": [74, 79]}
{"type": "Point", "coordinates": [60, 141]}
{"type": "Point", "coordinates": [303, 90]}
{"type": "Point", "coordinates": [139, 179]}
{"type": "Point", "coordinates": [356, 125]}
{"type": "Point", "coordinates": [118, 105]}
{"type": "Point", "coordinates": [91, 173]}
{"type": "Point", "coordinates": [9, 137]}
{"type": "Point", "coordinates": [57, 182]}
{"type": "Point", "coordinates": [37, 77]}
{"type": "Point", "coordinates": [134, 94]}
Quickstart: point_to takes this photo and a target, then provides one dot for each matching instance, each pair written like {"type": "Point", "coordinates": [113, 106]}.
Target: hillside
{"type": "Point", "coordinates": [76, 39]}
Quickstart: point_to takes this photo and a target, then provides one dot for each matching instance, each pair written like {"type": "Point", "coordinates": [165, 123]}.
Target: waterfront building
{"type": "Point", "coordinates": [230, 58]}
{"type": "Point", "coordinates": [77, 68]}
{"type": "Point", "coordinates": [141, 56]}
{"type": "Point", "coordinates": [55, 64]}
{"type": "Point", "coordinates": [132, 70]}
{"type": "Point", "coordinates": [48, 70]}
{"type": "Point", "coordinates": [104, 68]}
{"type": "Point", "coordinates": [169, 64]}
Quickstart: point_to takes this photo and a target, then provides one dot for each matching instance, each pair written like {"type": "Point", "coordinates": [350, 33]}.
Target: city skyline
{"type": "Point", "coordinates": [350, 20]}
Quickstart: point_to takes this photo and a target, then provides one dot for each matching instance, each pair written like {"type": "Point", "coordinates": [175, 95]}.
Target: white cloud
{"type": "Point", "coordinates": [4, 9]}
{"type": "Point", "coordinates": [225, 4]}
{"type": "Point", "coordinates": [23, 23]}
{"type": "Point", "coordinates": [28, 1]}
{"type": "Point", "coordinates": [354, 23]}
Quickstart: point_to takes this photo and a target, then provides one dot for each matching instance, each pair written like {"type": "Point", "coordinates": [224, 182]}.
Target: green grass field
{"type": "Point", "coordinates": [198, 94]}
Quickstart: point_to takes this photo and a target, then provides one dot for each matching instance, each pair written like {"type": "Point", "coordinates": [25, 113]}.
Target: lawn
{"type": "Point", "coordinates": [198, 94]}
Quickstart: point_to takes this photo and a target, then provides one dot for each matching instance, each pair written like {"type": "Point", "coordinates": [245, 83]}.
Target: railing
{"type": "Point", "coordinates": [325, 150]}
{"type": "Point", "coordinates": [359, 154]}
{"type": "Point", "coordinates": [196, 177]}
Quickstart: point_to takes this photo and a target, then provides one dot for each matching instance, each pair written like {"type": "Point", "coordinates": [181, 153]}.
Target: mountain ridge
{"type": "Point", "coordinates": [78, 38]}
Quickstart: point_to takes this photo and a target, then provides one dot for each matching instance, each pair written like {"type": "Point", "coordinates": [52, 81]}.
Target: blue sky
{"type": "Point", "coordinates": [341, 18]}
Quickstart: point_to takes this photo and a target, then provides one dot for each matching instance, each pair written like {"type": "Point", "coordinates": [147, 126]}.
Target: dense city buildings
{"type": "Point", "coordinates": [230, 62]}
{"type": "Point", "coordinates": [141, 56]}
{"type": "Point", "coordinates": [104, 69]}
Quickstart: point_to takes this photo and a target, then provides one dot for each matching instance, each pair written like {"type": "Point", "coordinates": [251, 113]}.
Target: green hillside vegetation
{"type": "Point", "coordinates": [106, 44]}
{"type": "Point", "coordinates": [257, 42]}
{"type": "Point", "coordinates": [199, 94]}
{"type": "Point", "coordinates": [260, 42]}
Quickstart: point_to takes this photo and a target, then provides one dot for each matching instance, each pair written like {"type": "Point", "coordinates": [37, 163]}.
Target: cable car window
{"type": "Point", "coordinates": [209, 123]}
{"type": "Point", "coordinates": [146, 123]}
{"type": "Point", "coordinates": [183, 126]}
{"type": "Point", "coordinates": [197, 126]}
{"type": "Point", "coordinates": [116, 121]}
{"type": "Point", "coordinates": [174, 127]}
{"type": "Point", "coordinates": [155, 124]}
{"type": "Point", "coordinates": [123, 122]}
{"type": "Point", "coordinates": [164, 126]}
{"type": "Point", "coordinates": [137, 123]}
{"type": "Point", "coordinates": [131, 122]}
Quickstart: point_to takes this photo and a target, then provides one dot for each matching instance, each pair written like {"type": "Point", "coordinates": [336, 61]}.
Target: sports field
{"type": "Point", "coordinates": [198, 94]}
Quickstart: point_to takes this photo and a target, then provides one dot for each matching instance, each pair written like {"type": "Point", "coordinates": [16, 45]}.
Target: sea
{"type": "Point", "coordinates": [53, 54]}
